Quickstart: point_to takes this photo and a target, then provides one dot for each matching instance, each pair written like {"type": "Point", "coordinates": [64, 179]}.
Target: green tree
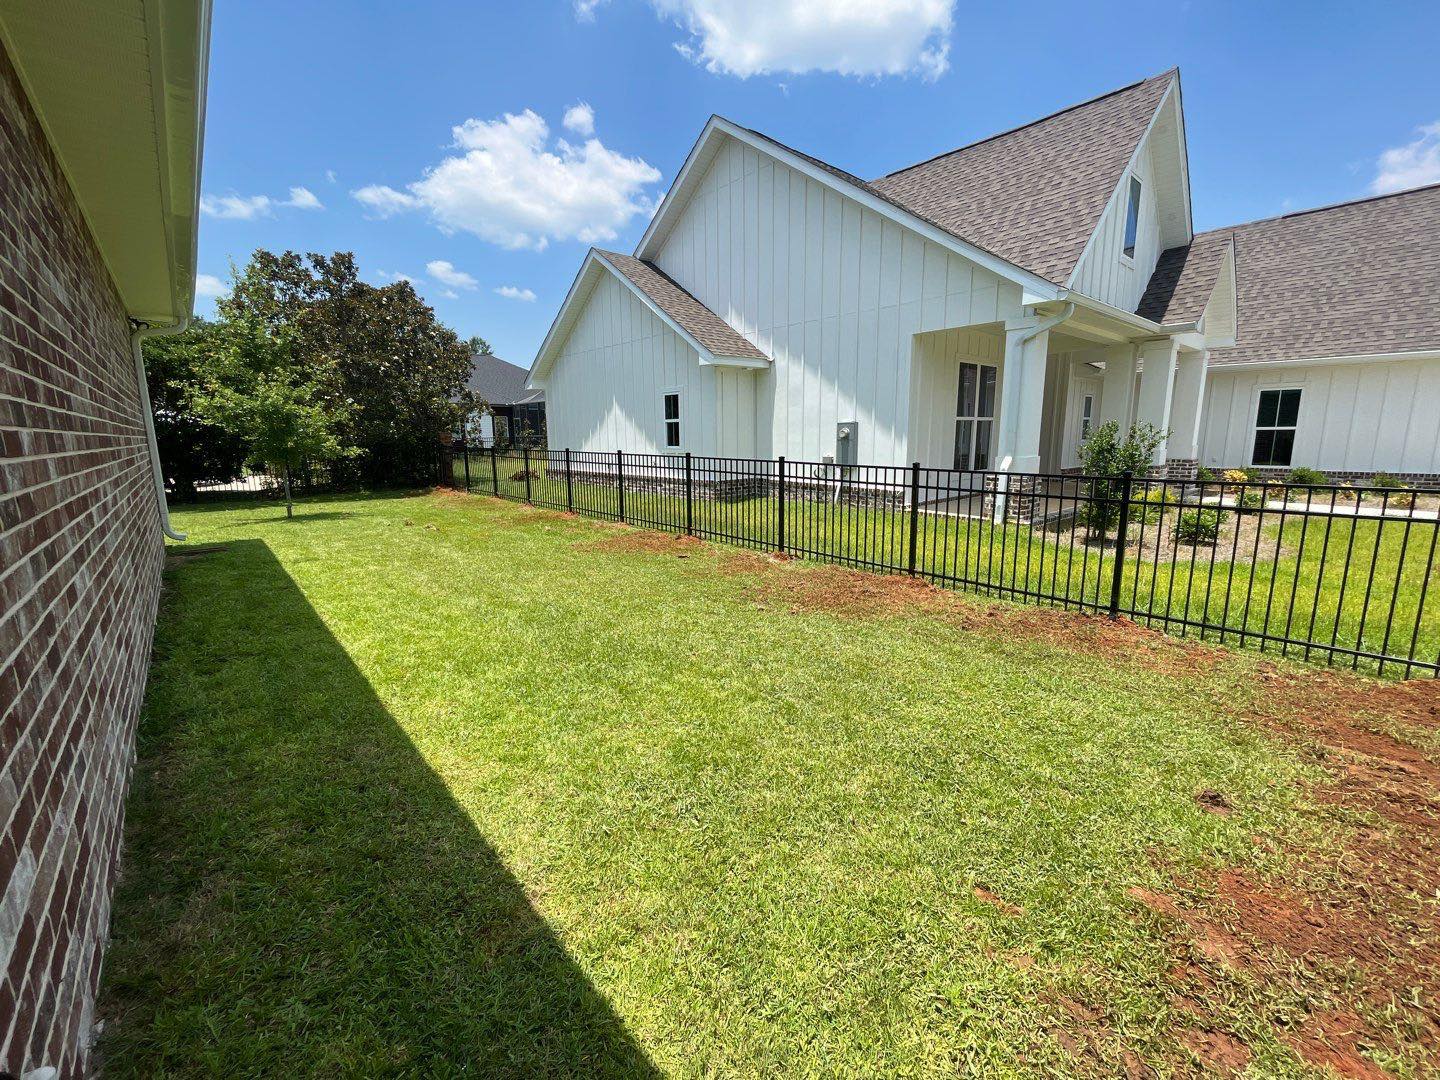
{"type": "Point", "coordinates": [193, 451]}
{"type": "Point", "coordinates": [1105, 456]}
{"type": "Point", "coordinates": [380, 355]}
{"type": "Point", "coordinates": [478, 346]}
{"type": "Point", "coordinates": [259, 393]}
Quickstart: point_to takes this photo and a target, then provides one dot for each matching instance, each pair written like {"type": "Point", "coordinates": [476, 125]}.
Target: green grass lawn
{"type": "Point", "coordinates": [438, 785]}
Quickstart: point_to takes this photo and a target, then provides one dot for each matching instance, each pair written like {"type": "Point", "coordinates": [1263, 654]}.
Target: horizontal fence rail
{"type": "Point", "coordinates": [1323, 573]}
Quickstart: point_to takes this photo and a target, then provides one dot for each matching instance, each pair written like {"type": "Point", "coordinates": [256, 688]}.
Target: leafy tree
{"type": "Point", "coordinates": [259, 393]}
{"type": "Point", "coordinates": [383, 359]}
{"type": "Point", "coordinates": [193, 450]}
{"type": "Point", "coordinates": [478, 346]}
{"type": "Point", "coordinates": [1105, 455]}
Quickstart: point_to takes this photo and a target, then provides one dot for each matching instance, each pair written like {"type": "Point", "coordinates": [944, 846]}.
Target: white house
{"type": "Point", "coordinates": [986, 308]}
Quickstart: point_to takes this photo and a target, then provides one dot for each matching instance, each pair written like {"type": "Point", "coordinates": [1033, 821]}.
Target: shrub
{"type": "Point", "coordinates": [1207, 476]}
{"type": "Point", "coordinates": [1104, 455]}
{"type": "Point", "coordinates": [1150, 507]}
{"type": "Point", "coordinates": [1251, 500]}
{"type": "Point", "coordinates": [1236, 476]}
{"type": "Point", "coordinates": [1302, 475]}
{"type": "Point", "coordinates": [1199, 526]}
{"type": "Point", "coordinates": [521, 474]}
{"type": "Point", "coordinates": [1385, 481]}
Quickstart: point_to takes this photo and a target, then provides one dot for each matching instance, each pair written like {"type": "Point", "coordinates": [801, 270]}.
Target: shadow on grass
{"type": "Point", "coordinates": [302, 895]}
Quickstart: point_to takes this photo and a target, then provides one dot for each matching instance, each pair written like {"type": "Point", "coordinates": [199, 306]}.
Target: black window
{"type": "Point", "coordinates": [1132, 217]}
{"type": "Point", "coordinates": [1275, 422]}
{"type": "Point", "coordinates": [672, 420]}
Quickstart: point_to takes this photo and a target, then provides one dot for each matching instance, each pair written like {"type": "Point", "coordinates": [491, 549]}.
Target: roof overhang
{"type": "Point", "coordinates": [591, 272]}
{"type": "Point", "coordinates": [119, 88]}
{"type": "Point", "coordinates": [1219, 363]}
{"type": "Point", "coordinates": [1036, 289]}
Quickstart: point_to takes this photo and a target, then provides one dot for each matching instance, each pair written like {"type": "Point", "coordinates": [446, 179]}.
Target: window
{"type": "Point", "coordinates": [672, 420]}
{"type": "Point", "coordinates": [1275, 422]}
{"type": "Point", "coordinates": [1087, 415]}
{"type": "Point", "coordinates": [1132, 217]}
{"type": "Point", "coordinates": [974, 416]}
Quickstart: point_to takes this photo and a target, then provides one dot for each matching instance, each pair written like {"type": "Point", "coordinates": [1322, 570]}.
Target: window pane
{"type": "Point", "coordinates": [1269, 408]}
{"type": "Point", "coordinates": [963, 432]}
{"type": "Point", "coordinates": [1284, 444]}
{"type": "Point", "coordinates": [1132, 216]}
{"type": "Point", "coordinates": [672, 433]}
{"type": "Point", "coordinates": [987, 391]}
{"type": "Point", "coordinates": [982, 444]}
{"type": "Point", "coordinates": [672, 406]}
{"type": "Point", "coordinates": [1289, 408]}
{"type": "Point", "coordinates": [965, 401]}
{"type": "Point", "coordinates": [1264, 447]}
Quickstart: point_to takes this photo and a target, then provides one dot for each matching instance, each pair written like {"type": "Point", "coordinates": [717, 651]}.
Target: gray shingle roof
{"type": "Point", "coordinates": [1184, 278]}
{"type": "Point", "coordinates": [500, 382]}
{"type": "Point", "coordinates": [1035, 194]}
{"type": "Point", "coordinates": [1361, 277]}
{"type": "Point", "coordinates": [698, 320]}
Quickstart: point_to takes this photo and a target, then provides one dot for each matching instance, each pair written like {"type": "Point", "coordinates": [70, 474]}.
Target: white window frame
{"type": "Point", "coordinates": [679, 421]}
{"type": "Point", "coordinates": [1256, 427]}
{"type": "Point", "coordinates": [1134, 195]}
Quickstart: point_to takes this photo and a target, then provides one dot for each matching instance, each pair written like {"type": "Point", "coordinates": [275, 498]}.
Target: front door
{"type": "Point", "coordinates": [1082, 416]}
{"type": "Point", "coordinates": [975, 417]}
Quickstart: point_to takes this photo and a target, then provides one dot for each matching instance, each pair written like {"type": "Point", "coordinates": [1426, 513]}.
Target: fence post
{"type": "Point", "coordinates": [780, 506]}
{"type": "Point", "coordinates": [1121, 528]}
{"type": "Point", "coordinates": [494, 470]}
{"type": "Point", "coordinates": [689, 497]}
{"type": "Point", "coordinates": [569, 487]}
{"type": "Point", "coordinates": [465, 452]}
{"type": "Point", "coordinates": [525, 458]}
{"type": "Point", "coordinates": [620, 482]}
{"type": "Point", "coordinates": [914, 512]}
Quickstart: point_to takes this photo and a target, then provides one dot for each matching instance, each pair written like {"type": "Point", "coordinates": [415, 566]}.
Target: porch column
{"type": "Point", "coordinates": [1118, 393]}
{"type": "Point", "coordinates": [1186, 407]}
{"type": "Point", "coordinates": [1157, 390]}
{"type": "Point", "coordinates": [1022, 397]}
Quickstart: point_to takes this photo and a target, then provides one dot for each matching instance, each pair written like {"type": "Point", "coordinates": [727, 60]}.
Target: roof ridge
{"type": "Point", "coordinates": [1318, 209]}
{"type": "Point", "coordinates": [1031, 123]}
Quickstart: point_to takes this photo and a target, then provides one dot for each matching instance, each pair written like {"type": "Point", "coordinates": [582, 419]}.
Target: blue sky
{"type": "Point", "coordinates": [401, 131]}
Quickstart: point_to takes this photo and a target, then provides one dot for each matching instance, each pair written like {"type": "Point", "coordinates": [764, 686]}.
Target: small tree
{"type": "Point", "coordinates": [1104, 456]}
{"type": "Point", "coordinates": [278, 407]}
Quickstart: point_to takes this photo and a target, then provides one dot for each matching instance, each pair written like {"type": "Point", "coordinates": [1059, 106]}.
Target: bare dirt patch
{"type": "Point", "coordinates": [644, 542]}
{"type": "Point", "coordinates": [1220, 1052]}
{"type": "Point", "coordinates": [1356, 923]}
{"type": "Point", "coordinates": [1000, 904]}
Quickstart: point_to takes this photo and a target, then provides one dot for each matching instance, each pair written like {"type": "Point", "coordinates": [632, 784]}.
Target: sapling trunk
{"type": "Point", "coordinates": [289, 505]}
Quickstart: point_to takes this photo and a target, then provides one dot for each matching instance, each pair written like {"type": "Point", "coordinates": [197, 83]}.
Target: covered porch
{"type": "Point", "coordinates": [1001, 409]}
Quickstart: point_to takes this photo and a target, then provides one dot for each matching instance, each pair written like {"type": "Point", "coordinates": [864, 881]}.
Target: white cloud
{"type": "Point", "coordinates": [303, 199]}
{"type": "Point", "coordinates": [1415, 164]}
{"type": "Point", "coordinates": [580, 118]}
{"type": "Point", "coordinates": [386, 275]}
{"type": "Point", "coordinates": [210, 285]}
{"type": "Point", "coordinates": [249, 207]}
{"type": "Point", "coordinates": [512, 185]}
{"type": "Point", "coordinates": [330, 175]}
{"type": "Point", "coordinates": [446, 273]}
{"type": "Point", "coordinates": [511, 292]}
{"type": "Point", "coordinates": [846, 37]}
{"type": "Point", "coordinates": [450, 294]}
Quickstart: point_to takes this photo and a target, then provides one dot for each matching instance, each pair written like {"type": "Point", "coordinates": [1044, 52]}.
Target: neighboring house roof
{"type": "Point", "coordinates": [119, 88]}
{"type": "Point", "coordinates": [694, 317]}
{"type": "Point", "coordinates": [499, 382]}
{"type": "Point", "coordinates": [1355, 279]}
{"type": "Point", "coordinates": [1034, 195]}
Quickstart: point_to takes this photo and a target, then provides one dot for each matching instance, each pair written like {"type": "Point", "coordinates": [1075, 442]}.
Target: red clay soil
{"type": "Point", "coordinates": [986, 896]}
{"type": "Point", "coordinates": [644, 542]}
{"type": "Point", "coordinates": [1361, 927]}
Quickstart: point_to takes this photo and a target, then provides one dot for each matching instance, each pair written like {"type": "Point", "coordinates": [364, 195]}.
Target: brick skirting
{"type": "Point", "coordinates": [80, 562]}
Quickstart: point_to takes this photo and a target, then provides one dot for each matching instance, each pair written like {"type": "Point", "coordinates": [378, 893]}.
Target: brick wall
{"type": "Point", "coordinates": [80, 560]}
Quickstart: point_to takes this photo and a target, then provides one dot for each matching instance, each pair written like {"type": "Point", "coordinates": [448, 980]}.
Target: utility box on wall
{"type": "Point", "coordinates": [847, 442]}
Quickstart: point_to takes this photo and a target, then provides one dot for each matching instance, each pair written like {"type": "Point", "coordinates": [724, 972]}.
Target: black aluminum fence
{"type": "Point", "coordinates": [1324, 573]}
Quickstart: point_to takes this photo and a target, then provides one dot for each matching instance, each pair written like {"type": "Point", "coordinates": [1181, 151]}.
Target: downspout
{"type": "Point", "coordinates": [1002, 480]}
{"type": "Point", "coordinates": [138, 333]}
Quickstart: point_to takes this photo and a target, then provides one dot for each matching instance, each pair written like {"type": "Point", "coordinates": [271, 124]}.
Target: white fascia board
{"type": "Point", "coordinates": [1138, 325]}
{"type": "Point", "coordinates": [717, 360]}
{"type": "Point", "coordinates": [706, 356]}
{"type": "Point", "coordinates": [1219, 365]}
{"type": "Point", "coordinates": [1037, 288]}
{"type": "Point", "coordinates": [1184, 154]}
{"type": "Point", "coordinates": [1120, 182]}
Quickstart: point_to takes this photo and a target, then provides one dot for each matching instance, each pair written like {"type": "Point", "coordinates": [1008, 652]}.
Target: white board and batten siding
{"type": "Point", "coordinates": [1376, 416]}
{"type": "Point", "coordinates": [605, 390]}
{"type": "Point", "coordinates": [1105, 271]}
{"type": "Point", "coordinates": [833, 292]}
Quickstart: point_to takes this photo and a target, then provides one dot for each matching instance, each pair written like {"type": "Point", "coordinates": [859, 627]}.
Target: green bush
{"type": "Point", "coordinates": [1302, 475]}
{"type": "Point", "coordinates": [1207, 476]}
{"type": "Point", "coordinates": [1199, 526]}
{"type": "Point", "coordinates": [1251, 500]}
{"type": "Point", "coordinates": [1150, 508]}
{"type": "Point", "coordinates": [1104, 455]}
{"type": "Point", "coordinates": [1386, 481]}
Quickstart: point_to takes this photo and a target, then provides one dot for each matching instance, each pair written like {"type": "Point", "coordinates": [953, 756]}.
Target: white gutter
{"type": "Point", "coordinates": [137, 337]}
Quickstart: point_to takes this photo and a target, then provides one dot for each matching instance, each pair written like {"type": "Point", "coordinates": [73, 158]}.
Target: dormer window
{"type": "Point", "coordinates": [1132, 217]}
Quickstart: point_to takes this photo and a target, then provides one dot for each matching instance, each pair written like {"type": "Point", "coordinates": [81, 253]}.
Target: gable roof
{"type": "Point", "coordinates": [1359, 278]}
{"type": "Point", "coordinates": [1034, 195]}
{"type": "Point", "coordinates": [499, 382]}
{"type": "Point", "coordinates": [694, 318]}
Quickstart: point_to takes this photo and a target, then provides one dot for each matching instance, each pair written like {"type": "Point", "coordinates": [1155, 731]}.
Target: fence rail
{"type": "Point", "coordinates": [1326, 573]}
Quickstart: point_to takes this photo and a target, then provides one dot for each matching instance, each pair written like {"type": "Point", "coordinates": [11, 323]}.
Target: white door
{"type": "Point", "coordinates": [975, 416]}
{"type": "Point", "coordinates": [1082, 415]}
